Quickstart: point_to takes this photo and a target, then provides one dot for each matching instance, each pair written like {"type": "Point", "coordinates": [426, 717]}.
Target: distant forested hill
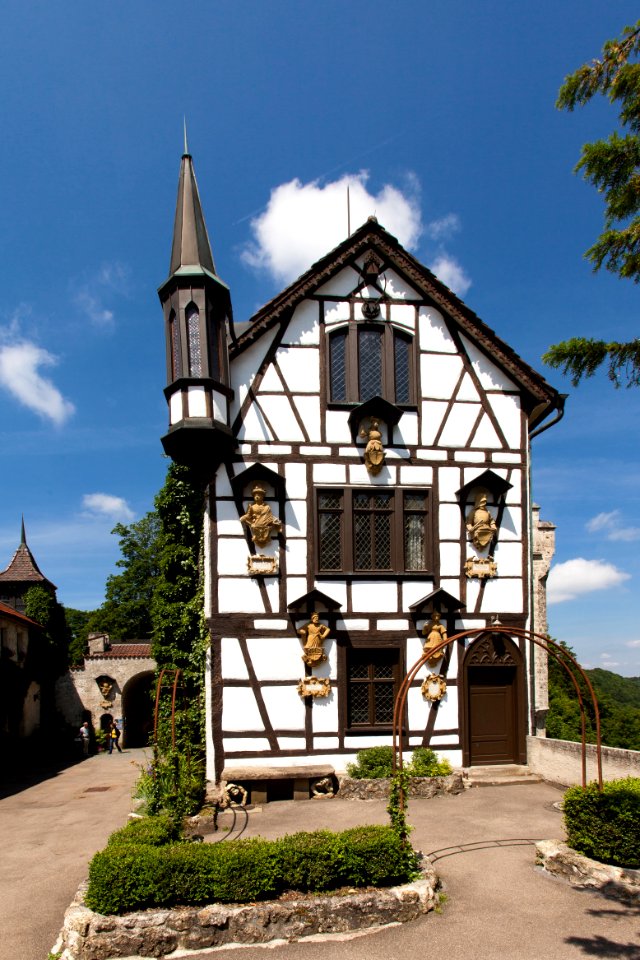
{"type": "Point", "coordinates": [619, 703]}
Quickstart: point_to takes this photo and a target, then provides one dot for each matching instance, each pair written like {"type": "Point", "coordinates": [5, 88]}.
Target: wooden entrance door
{"type": "Point", "coordinates": [492, 716]}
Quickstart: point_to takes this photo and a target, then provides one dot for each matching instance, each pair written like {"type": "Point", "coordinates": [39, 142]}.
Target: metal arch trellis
{"type": "Point", "coordinates": [541, 640]}
{"type": "Point", "coordinates": [177, 674]}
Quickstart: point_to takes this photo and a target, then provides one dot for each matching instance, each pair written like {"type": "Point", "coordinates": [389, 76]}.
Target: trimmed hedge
{"type": "Point", "coordinates": [133, 876]}
{"type": "Point", "coordinates": [605, 826]}
{"type": "Point", "coordinates": [151, 831]}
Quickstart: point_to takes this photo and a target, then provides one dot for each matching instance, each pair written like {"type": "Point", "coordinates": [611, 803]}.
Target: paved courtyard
{"type": "Point", "coordinates": [499, 905]}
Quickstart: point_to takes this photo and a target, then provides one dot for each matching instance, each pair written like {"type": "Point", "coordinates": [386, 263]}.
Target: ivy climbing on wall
{"type": "Point", "coordinates": [179, 643]}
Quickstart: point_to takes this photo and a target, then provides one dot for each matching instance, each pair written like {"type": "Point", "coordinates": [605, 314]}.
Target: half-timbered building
{"type": "Point", "coordinates": [366, 442]}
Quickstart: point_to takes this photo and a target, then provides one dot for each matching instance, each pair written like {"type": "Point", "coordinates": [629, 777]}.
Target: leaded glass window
{"type": "Point", "coordinates": [372, 686]}
{"type": "Point", "coordinates": [364, 530]}
{"type": "Point", "coordinates": [366, 361]}
{"type": "Point", "coordinates": [193, 341]}
{"type": "Point", "coordinates": [174, 345]}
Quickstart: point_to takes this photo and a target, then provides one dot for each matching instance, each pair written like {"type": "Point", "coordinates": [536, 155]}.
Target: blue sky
{"type": "Point", "coordinates": [441, 116]}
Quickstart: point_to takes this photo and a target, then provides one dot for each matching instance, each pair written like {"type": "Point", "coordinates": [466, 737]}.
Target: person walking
{"type": "Point", "coordinates": [84, 736]}
{"type": "Point", "coordinates": [114, 737]}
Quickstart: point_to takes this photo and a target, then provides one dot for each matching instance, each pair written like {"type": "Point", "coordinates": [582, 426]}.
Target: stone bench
{"type": "Point", "coordinates": [278, 783]}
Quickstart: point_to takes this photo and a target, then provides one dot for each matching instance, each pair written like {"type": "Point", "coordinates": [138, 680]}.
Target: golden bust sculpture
{"type": "Point", "coordinates": [106, 686]}
{"type": "Point", "coordinates": [480, 524]}
{"type": "Point", "coordinates": [260, 519]}
{"type": "Point", "coordinates": [374, 451]}
{"type": "Point", "coordinates": [314, 634]}
{"type": "Point", "coordinates": [435, 634]}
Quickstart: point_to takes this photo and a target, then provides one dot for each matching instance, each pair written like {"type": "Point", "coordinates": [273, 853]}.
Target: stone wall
{"type": "Point", "coordinates": [559, 761]}
{"type": "Point", "coordinates": [158, 932]}
{"type": "Point", "coordinates": [352, 789]}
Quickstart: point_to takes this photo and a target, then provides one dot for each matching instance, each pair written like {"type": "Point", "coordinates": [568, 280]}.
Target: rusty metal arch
{"type": "Point", "coordinates": [541, 640]}
{"type": "Point", "coordinates": [177, 674]}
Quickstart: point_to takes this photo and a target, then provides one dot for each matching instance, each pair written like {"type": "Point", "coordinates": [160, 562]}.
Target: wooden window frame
{"type": "Point", "coordinates": [389, 333]}
{"type": "Point", "coordinates": [397, 546]}
{"type": "Point", "coordinates": [370, 653]}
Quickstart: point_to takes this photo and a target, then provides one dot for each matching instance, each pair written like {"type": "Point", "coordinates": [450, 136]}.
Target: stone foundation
{"type": "Point", "coordinates": [159, 932]}
{"type": "Point", "coordinates": [351, 789]}
{"type": "Point", "coordinates": [561, 861]}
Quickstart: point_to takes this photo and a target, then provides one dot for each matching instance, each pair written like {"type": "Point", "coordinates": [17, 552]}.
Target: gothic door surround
{"type": "Point", "coordinates": [493, 701]}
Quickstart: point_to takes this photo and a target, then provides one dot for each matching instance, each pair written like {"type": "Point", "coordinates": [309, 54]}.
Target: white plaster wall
{"type": "Point", "coordinates": [508, 556]}
{"type": "Point", "coordinates": [506, 596]}
{"type": "Point", "coordinates": [358, 474]}
{"type": "Point", "coordinates": [196, 402]}
{"type": "Point", "coordinates": [459, 424]}
{"type": "Point", "coordinates": [304, 327]}
{"type": "Point", "coordinates": [296, 480]}
{"type": "Point", "coordinates": [336, 313]}
{"type": "Point", "coordinates": [511, 526]}
{"type": "Point", "coordinates": [240, 710]}
{"type": "Point", "coordinates": [254, 426]}
{"type": "Point", "coordinates": [239, 594]}
{"type": "Point", "coordinates": [271, 382]}
{"type": "Point", "coordinates": [308, 408]}
{"type": "Point", "coordinates": [300, 368]}
{"type": "Point", "coordinates": [329, 473]}
{"type": "Point", "coordinates": [336, 590]}
{"type": "Point", "coordinates": [415, 590]}
{"type": "Point", "coordinates": [276, 658]}
{"type": "Point", "coordinates": [233, 666]}
{"type": "Point", "coordinates": [433, 412]}
{"type": "Point", "coordinates": [450, 520]}
{"type": "Point", "coordinates": [285, 707]}
{"type": "Point", "coordinates": [404, 315]}
{"type": "Point", "coordinates": [175, 407]}
{"type": "Point", "coordinates": [296, 587]}
{"type": "Point", "coordinates": [337, 426]}
{"type": "Point", "coordinates": [439, 375]}
{"type": "Point", "coordinates": [374, 596]}
{"type": "Point", "coordinates": [509, 415]}
{"type": "Point", "coordinates": [278, 411]}
{"type": "Point", "coordinates": [434, 335]}
{"type": "Point", "coordinates": [485, 435]}
{"type": "Point", "coordinates": [232, 556]}
{"type": "Point", "coordinates": [491, 378]}
{"type": "Point", "coordinates": [324, 714]}
{"type": "Point", "coordinates": [398, 288]}
{"type": "Point", "coordinates": [228, 521]}
{"type": "Point", "coordinates": [449, 482]}
{"type": "Point", "coordinates": [297, 556]}
{"type": "Point", "coordinates": [339, 286]}
{"type": "Point", "coordinates": [468, 390]}
{"type": "Point", "coordinates": [243, 369]}
{"type": "Point", "coordinates": [407, 430]}
{"type": "Point", "coordinates": [295, 513]}
{"type": "Point", "coordinates": [248, 745]}
{"type": "Point", "coordinates": [292, 743]}
{"type": "Point", "coordinates": [417, 475]}
{"type": "Point", "coordinates": [450, 560]}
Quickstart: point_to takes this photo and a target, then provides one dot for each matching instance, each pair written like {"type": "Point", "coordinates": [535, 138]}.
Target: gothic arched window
{"type": "Point", "coordinates": [174, 345]}
{"type": "Point", "coordinates": [194, 348]}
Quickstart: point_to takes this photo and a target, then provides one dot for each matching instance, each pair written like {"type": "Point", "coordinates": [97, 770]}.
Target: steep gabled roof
{"type": "Point", "coordinates": [23, 567]}
{"type": "Point", "coordinates": [372, 236]}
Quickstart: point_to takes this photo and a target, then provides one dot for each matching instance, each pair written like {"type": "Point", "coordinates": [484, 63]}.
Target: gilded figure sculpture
{"type": "Point", "coordinates": [374, 451]}
{"type": "Point", "coordinates": [260, 519]}
{"type": "Point", "coordinates": [435, 634]}
{"type": "Point", "coordinates": [480, 524]}
{"type": "Point", "coordinates": [314, 634]}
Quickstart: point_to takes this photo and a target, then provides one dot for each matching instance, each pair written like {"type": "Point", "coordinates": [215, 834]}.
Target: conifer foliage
{"type": "Point", "coordinates": [612, 165]}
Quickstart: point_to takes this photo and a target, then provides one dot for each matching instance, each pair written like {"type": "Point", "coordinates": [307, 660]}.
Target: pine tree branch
{"type": "Point", "coordinates": [580, 358]}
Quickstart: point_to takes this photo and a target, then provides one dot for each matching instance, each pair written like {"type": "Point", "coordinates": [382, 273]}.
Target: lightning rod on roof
{"type": "Point", "coordinates": [184, 124]}
{"type": "Point", "coordinates": [348, 212]}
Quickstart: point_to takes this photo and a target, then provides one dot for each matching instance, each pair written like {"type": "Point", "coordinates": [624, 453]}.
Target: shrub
{"type": "Point", "coordinates": [377, 763]}
{"type": "Point", "coordinates": [372, 763]}
{"type": "Point", "coordinates": [605, 826]}
{"type": "Point", "coordinates": [426, 763]}
{"type": "Point", "coordinates": [151, 831]}
{"type": "Point", "coordinates": [133, 876]}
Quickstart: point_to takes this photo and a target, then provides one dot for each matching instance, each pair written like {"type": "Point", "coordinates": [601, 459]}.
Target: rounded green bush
{"type": "Point", "coordinates": [605, 826]}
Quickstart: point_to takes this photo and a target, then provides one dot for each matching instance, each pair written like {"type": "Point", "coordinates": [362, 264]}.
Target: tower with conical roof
{"type": "Point", "coordinates": [198, 324]}
{"type": "Point", "coordinates": [22, 573]}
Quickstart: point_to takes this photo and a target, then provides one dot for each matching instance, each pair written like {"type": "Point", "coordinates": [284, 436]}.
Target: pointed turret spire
{"type": "Point", "coordinates": [191, 250]}
{"type": "Point", "coordinates": [23, 536]}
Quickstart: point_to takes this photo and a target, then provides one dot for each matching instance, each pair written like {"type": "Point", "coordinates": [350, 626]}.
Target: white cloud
{"type": "Point", "coordinates": [451, 274]}
{"type": "Point", "coordinates": [107, 505]}
{"type": "Point", "coordinates": [20, 376]}
{"type": "Point", "coordinates": [110, 278]}
{"type": "Point", "coordinates": [632, 643]}
{"type": "Point", "coordinates": [92, 307]}
{"type": "Point", "coordinates": [573, 578]}
{"type": "Point", "coordinates": [303, 221]}
{"type": "Point", "coordinates": [611, 525]}
{"type": "Point", "coordinates": [443, 228]}
{"type": "Point", "coordinates": [603, 521]}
